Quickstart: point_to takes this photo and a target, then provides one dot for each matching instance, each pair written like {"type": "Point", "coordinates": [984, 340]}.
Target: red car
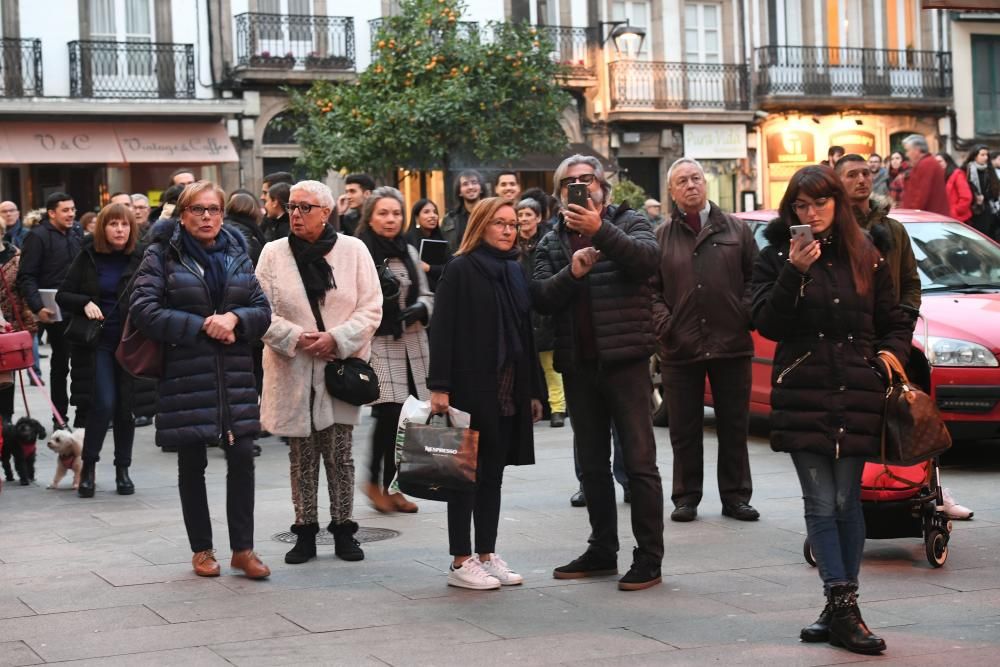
{"type": "Point", "coordinates": [960, 314]}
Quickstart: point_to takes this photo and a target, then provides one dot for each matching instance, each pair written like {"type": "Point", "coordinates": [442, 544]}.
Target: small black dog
{"type": "Point", "coordinates": [20, 442]}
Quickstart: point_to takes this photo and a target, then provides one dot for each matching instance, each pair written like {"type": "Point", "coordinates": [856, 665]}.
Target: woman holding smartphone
{"type": "Point", "coordinates": [826, 296]}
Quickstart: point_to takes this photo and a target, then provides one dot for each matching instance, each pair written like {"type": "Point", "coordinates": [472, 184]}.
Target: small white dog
{"type": "Point", "coordinates": [68, 446]}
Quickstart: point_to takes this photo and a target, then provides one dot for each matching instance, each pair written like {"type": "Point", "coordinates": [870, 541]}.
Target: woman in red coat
{"type": "Point", "coordinates": [957, 187]}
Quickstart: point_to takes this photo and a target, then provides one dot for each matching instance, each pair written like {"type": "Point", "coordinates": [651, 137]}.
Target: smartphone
{"type": "Point", "coordinates": [802, 232]}
{"type": "Point", "coordinates": [578, 194]}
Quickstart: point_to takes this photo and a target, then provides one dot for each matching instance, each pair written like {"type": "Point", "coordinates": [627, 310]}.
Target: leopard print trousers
{"type": "Point", "coordinates": [334, 445]}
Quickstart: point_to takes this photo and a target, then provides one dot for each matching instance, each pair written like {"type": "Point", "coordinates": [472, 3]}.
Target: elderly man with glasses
{"type": "Point", "coordinates": [592, 274]}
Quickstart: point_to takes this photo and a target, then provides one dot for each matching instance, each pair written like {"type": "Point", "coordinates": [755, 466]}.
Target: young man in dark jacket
{"type": "Point", "coordinates": [592, 274]}
{"type": "Point", "coordinates": [701, 308]}
{"type": "Point", "coordinates": [468, 190]}
{"type": "Point", "coordinates": [49, 249]}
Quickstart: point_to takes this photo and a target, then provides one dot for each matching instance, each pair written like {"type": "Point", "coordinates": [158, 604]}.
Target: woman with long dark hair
{"type": "Point", "coordinates": [425, 223]}
{"type": "Point", "coordinates": [830, 304]}
{"type": "Point", "coordinates": [957, 188]}
{"type": "Point", "coordinates": [898, 166]}
{"type": "Point", "coordinates": [985, 190]}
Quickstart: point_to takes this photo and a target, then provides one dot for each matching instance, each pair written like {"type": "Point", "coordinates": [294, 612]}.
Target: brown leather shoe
{"type": "Point", "coordinates": [250, 563]}
{"type": "Point", "coordinates": [379, 500]}
{"type": "Point", "coordinates": [204, 563]}
{"type": "Point", "coordinates": [401, 504]}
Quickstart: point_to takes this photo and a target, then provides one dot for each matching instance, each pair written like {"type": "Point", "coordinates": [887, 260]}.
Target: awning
{"type": "Point", "coordinates": [115, 143]}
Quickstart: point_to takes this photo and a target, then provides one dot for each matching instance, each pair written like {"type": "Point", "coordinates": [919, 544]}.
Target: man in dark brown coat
{"type": "Point", "coordinates": [701, 311]}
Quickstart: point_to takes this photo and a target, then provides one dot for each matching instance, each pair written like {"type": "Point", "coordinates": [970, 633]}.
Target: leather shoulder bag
{"type": "Point", "coordinates": [912, 428]}
{"type": "Point", "coordinates": [16, 347]}
{"type": "Point", "coordinates": [351, 380]}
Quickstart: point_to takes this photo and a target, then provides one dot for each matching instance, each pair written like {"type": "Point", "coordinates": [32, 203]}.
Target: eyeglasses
{"type": "Point", "coordinates": [304, 208]}
{"type": "Point", "coordinates": [586, 179]}
{"type": "Point", "coordinates": [202, 210]}
{"type": "Point", "coordinates": [502, 226]}
{"type": "Point", "coordinates": [817, 204]}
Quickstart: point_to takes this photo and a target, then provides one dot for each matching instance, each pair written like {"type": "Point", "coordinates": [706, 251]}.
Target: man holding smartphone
{"type": "Point", "coordinates": [701, 309]}
{"type": "Point", "coordinates": [592, 275]}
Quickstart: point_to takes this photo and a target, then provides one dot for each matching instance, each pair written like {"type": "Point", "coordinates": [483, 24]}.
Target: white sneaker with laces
{"type": "Point", "coordinates": [472, 575]}
{"type": "Point", "coordinates": [952, 509]}
{"type": "Point", "coordinates": [499, 569]}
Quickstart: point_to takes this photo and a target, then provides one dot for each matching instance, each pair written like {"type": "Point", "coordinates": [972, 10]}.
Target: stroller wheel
{"type": "Point", "coordinates": [936, 546]}
{"type": "Point", "coordinates": [807, 553]}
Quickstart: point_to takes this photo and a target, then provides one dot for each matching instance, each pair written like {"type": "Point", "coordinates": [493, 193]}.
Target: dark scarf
{"type": "Point", "coordinates": [212, 260]}
{"type": "Point", "coordinates": [383, 249]}
{"type": "Point", "coordinates": [315, 271]}
{"type": "Point", "coordinates": [513, 301]}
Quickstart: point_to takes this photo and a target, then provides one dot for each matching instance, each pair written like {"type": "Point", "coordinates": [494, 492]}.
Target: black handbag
{"type": "Point", "coordinates": [438, 462]}
{"type": "Point", "coordinates": [351, 380]}
{"type": "Point", "coordinates": [81, 330]}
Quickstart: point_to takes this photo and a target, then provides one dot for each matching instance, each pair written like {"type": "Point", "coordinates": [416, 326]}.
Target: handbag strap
{"type": "Point", "coordinates": [892, 364]}
{"type": "Point", "coordinates": [13, 303]}
{"type": "Point", "coordinates": [24, 395]}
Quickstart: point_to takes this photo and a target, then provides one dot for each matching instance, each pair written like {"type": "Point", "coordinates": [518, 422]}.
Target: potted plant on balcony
{"type": "Point", "coordinates": [317, 60]}
{"type": "Point", "coordinates": [266, 60]}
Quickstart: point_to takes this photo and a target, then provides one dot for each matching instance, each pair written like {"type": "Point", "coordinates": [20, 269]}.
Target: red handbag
{"type": "Point", "coordinates": [140, 356]}
{"type": "Point", "coordinates": [16, 351]}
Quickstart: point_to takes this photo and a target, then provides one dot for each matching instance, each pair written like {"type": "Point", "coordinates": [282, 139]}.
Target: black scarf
{"type": "Point", "coordinates": [382, 249]}
{"type": "Point", "coordinates": [315, 271]}
{"type": "Point", "coordinates": [513, 301]}
{"type": "Point", "coordinates": [212, 260]}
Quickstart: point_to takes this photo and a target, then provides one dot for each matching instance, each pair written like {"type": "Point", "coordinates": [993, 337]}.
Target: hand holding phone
{"type": "Point", "coordinates": [802, 233]}
{"type": "Point", "coordinates": [578, 194]}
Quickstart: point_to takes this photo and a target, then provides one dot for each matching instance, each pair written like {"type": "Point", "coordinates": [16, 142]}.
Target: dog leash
{"type": "Point", "coordinates": [55, 410]}
{"type": "Point", "coordinates": [24, 395]}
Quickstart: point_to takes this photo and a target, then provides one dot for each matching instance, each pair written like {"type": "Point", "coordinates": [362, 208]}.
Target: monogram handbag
{"type": "Point", "coordinates": [141, 357]}
{"type": "Point", "coordinates": [912, 428]}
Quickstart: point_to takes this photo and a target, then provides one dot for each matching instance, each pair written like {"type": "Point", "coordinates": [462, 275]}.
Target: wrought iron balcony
{"type": "Point", "coordinates": [131, 69]}
{"type": "Point", "coordinates": [638, 85]}
{"type": "Point", "coordinates": [295, 41]}
{"type": "Point", "coordinates": [820, 71]}
{"type": "Point", "coordinates": [20, 67]}
{"type": "Point", "coordinates": [573, 48]}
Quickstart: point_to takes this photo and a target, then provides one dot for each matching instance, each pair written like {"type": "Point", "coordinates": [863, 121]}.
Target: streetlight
{"type": "Point", "coordinates": [627, 38]}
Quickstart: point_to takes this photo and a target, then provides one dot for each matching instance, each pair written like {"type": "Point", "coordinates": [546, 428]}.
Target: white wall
{"type": "Point", "coordinates": [189, 24]}
{"type": "Point", "coordinates": [37, 22]}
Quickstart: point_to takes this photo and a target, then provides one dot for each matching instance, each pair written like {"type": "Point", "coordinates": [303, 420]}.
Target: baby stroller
{"type": "Point", "coordinates": [903, 501]}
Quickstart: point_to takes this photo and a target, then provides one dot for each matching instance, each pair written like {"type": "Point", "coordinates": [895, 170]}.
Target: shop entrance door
{"type": "Point", "coordinates": [85, 183]}
{"type": "Point", "coordinates": [644, 172]}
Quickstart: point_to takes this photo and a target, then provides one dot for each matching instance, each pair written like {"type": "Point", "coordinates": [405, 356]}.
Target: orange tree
{"type": "Point", "coordinates": [436, 87]}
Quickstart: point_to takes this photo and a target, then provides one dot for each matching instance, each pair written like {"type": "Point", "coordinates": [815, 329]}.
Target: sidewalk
{"type": "Point", "coordinates": [108, 580]}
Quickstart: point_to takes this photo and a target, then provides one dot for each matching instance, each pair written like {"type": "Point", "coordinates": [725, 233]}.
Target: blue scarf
{"type": "Point", "coordinates": [513, 300]}
{"type": "Point", "coordinates": [212, 260]}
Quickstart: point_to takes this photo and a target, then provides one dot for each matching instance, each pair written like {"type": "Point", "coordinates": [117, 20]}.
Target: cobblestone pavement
{"type": "Point", "coordinates": [108, 580]}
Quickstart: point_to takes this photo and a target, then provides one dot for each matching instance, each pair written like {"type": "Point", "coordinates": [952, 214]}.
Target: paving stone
{"type": "Point", "coordinates": [78, 623]}
{"type": "Point", "coordinates": [88, 594]}
{"type": "Point", "coordinates": [15, 654]}
{"type": "Point", "coordinates": [189, 657]}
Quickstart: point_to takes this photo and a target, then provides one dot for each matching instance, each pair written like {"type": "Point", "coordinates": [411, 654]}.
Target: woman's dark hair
{"type": "Point", "coordinates": [949, 162]}
{"type": "Point", "coordinates": [418, 207]}
{"type": "Point", "coordinates": [171, 194]}
{"type": "Point", "coordinates": [992, 189]}
{"type": "Point", "coordinates": [821, 181]}
{"type": "Point", "coordinates": [245, 206]}
{"type": "Point", "coordinates": [542, 198]}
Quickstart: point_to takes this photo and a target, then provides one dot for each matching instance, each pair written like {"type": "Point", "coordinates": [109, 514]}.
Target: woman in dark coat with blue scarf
{"type": "Point", "coordinates": [196, 294]}
{"type": "Point", "coordinates": [483, 362]}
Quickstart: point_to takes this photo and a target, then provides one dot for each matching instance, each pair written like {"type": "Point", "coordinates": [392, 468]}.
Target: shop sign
{"type": "Point", "coordinates": [715, 141]}
{"type": "Point", "coordinates": [854, 141]}
{"type": "Point", "coordinates": [55, 143]}
{"type": "Point", "coordinates": [194, 143]}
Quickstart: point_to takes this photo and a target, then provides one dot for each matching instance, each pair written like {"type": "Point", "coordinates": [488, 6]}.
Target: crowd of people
{"type": "Point", "coordinates": [541, 304]}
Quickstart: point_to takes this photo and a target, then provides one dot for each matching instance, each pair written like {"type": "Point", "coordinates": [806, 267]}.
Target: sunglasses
{"type": "Point", "coordinates": [586, 179]}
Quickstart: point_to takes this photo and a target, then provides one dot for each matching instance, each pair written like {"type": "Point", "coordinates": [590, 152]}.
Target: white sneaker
{"type": "Point", "coordinates": [472, 575]}
{"type": "Point", "coordinates": [952, 509]}
{"type": "Point", "coordinates": [497, 568]}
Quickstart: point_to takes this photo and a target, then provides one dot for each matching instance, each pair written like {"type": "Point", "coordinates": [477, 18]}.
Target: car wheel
{"type": "Point", "coordinates": [658, 402]}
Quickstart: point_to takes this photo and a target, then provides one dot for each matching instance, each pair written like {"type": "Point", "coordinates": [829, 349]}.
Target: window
{"type": "Point", "coordinates": [986, 83]}
{"type": "Point", "coordinates": [548, 12]}
{"type": "Point", "coordinates": [637, 13]}
{"type": "Point", "coordinates": [137, 27]}
{"type": "Point", "coordinates": [702, 38]}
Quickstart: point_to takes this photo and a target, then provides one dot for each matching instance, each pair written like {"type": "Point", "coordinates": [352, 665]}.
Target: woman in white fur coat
{"type": "Point", "coordinates": [316, 265]}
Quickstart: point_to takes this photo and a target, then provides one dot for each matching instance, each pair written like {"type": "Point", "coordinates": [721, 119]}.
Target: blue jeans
{"type": "Point", "coordinates": [617, 461]}
{"type": "Point", "coordinates": [109, 404]}
{"type": "Point", "coordinates": [835, 523]}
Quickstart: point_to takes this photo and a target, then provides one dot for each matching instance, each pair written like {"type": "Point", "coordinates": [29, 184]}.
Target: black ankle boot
{"type": "Point", "coordinates": [847, 628]}
{"type": "Point", "coordinates": [345, 546]}
{"type": "Point", "coordinates": [820, 630]}
{"type": "Point", "coordinates": [305, 546]}
{"type": "Point", "coordinates": [123, 481]}
{"type": "Point", "coordinates": [86, 488]}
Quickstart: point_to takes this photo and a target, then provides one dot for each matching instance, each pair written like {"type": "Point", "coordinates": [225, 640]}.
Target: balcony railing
{"type": "Point", "coordinates": [131, 69]}
{"type": "Point", "coordinates": [573, 48]}
{"type": "Point", "coordinates": [20, 67]}
{"type": "Point", "coordinates": [668, 86]}
{"type": "Point", "coordinates": [295, 41]}
{"type": "Point", "coordinates": [820, 71]}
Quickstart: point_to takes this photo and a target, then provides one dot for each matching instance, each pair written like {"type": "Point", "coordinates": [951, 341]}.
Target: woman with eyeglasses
{"type": "Point", "coordinates": [483, 361]}
{"type": "Point", "coordinates": [399, 350]}
{"type": "Point", "coordinates": [829, 302]}
{"type": "Point", "coordinates": [196, 294]}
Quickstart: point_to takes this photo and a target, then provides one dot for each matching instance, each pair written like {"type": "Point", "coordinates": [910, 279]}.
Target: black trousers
{"type": "Point", "coordinates": [598, 397]}
{"type": "Point", "coordinates": [685, 389]}
{"type": "Point", "coordinates": [383, 459]}
{"type": "Point", "coordinates": [483, 506]}
{"type": "Point", "coordinates": [59, 366]}
{"type": "Point", "coordinates": [7, 401]}
{"type": "Point", "coordinates": [192, 460]}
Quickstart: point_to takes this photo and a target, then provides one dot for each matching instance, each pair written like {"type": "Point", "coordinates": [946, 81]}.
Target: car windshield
{"type": "Point", "coordinates": [950, 256]}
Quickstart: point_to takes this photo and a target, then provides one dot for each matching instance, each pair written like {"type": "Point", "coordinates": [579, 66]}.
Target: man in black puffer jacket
{"type": "Point", "coordinates": [592, 274]}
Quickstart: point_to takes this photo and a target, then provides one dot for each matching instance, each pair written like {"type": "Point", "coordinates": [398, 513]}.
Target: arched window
{"type": "Point", "coordinates": [280, 129]}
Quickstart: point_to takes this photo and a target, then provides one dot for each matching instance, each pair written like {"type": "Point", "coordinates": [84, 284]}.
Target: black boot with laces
{"type": "Point", "coordinates": [820, 630]}
{"type": "Point", "coordinates": [847, 628]}
{"type": "Point", "coordinates": [344, 544]}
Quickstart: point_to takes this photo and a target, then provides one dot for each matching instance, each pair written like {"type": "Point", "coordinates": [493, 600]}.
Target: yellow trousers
{"type": "Point", "coordinates": [557, 398]}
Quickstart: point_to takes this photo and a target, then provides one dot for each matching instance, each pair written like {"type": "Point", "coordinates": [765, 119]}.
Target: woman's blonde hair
{"type": "Point", "coordinates": [481, 216]}
{"type": "Point", "coordinates": [108, 214]}
{"type": "Point", "coordinates": [194, 190]}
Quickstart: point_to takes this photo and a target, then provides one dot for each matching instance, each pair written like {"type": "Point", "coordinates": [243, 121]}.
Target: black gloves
{"type": "Point", "coordinates": [415, 313]}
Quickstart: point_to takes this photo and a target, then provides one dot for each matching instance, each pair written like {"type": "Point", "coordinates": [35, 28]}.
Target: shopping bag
{"type": "Point", "coordinates": [434, 461]}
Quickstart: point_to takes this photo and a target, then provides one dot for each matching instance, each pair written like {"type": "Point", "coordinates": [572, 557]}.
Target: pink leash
{"type": "Point", "coordinates": [41, 387]}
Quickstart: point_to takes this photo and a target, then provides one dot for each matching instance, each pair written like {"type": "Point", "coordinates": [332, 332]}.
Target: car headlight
{"type": "Point", "coordinates": [954, 352]}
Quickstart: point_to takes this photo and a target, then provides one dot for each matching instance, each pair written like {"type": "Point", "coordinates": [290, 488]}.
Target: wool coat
{"type": "Point", "coordinates": [207, 393]}
{"type": "Point", "coordinates": [827, 393]}
{"type": "Point", "coordinates": [295, 401]}
{"type": "Point", "coordinates": [924, 187]}
{"type": "Point", "coordinates": [959, 196]}
{"type": "Point", "coordinates": [464, 353]}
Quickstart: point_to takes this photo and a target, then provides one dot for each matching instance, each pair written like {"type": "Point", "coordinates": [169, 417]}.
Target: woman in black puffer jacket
{"type": "Point", "coordinates": [196, 293]}
{"type": "Point", "coordinates": [831, 306]}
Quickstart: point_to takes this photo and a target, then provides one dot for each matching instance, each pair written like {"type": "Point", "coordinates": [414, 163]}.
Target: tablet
{"type": "Point", "coordinates": [49, 301]}
{"type": "Point", "coordinates": [433, 251]}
